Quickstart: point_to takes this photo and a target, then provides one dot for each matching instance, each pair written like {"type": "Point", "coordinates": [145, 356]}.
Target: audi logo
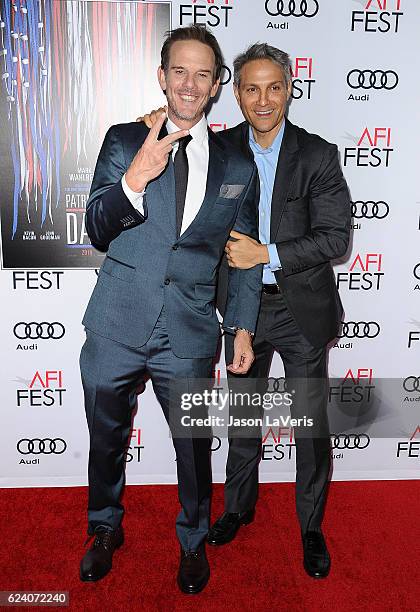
{"type": "Point", "coordinates": [360, 329]}
{"type": "Point", "coordinates": [291, 8]}
{"type": "Point", "coordinates": [39, 331]}
{"type": "Point", "coordinates": [276, 385]}
{"type": "Point", "coordinates": [369, 210]}
{"type": "Point", "coordinates": [416, 271]}
{"type": "Point", "coordinates": [411, 384]}
{"type": "Point", "coordinates": [350, 441]}
{"type": "Point", "coordinates": [226, 75]}
{"type": "Point", "coordinates": [372, 79]}
{"type": "Point", "coordinates": [47, 446]}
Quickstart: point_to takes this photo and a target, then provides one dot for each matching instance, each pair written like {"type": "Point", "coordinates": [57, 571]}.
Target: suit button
{"type": "Point", "coordinates": [174, 247]}
{"type": "Point", "coordinates": [167, 281]}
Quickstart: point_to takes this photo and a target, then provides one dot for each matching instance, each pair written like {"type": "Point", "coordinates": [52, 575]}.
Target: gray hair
{"type": "Point", "coordinates": [262, 51]}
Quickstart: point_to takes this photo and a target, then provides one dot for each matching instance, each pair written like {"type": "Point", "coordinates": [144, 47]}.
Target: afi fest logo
{"type": "Point", "coordinates": [365, 273]}
{"type": "Point", "coordinates": [373, 148]}
{"type": "Point", "coordinates": [134, 448]}
{"type": "Point", "coordinates": [277, 444]}
{"type": "Point", "coordinates": [44, 389]}
{"type": "Point", "coordinates": [414, 335]}
{"type": "Point", "coordinates": [218, 127]}
{"type": "Point", "coordinates": [33, 280]}
{"type": "Point", "coordinates": [410, 448]}
{"type": "Point", "coordinates": [302, 81]}
{"type": "Point", "coordinates": [355, 387]}
{"type": "Point", "coordinates": [212, 13]}
{"type": "Point", "coordinates": [379, 16]}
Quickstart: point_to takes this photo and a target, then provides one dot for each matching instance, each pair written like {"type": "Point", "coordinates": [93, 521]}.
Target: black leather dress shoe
{"type": "Point", "coordinates": [227, 526]}
{"type": "Point", "coordinates": [97, 562]}
{"type": "Point", "coordinates": [194, 570]}
{"type": "Point", "coordinates": [316, 559]}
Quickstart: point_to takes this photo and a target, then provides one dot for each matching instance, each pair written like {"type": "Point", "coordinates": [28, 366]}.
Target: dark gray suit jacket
{"type": "Point", "coordinates": [310, 224]}
{"type": "Point", "coordinates": [148, 267]}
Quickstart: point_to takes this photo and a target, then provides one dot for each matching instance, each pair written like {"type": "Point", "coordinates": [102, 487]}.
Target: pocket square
{"type": "Point", "coordinates": [231, 191]}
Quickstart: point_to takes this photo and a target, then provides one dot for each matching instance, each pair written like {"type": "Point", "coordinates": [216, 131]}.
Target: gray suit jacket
{"type": "Point", "coordinates": [148, 267]}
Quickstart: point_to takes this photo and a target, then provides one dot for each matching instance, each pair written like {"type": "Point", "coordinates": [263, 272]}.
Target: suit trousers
{"type": "Point", "coordinates": [305, 367]}
{"type": "Point", "coordinates": [111, 373]}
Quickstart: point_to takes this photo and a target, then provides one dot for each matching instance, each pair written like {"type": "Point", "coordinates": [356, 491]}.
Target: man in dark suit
{"type": "Point", "coordinates": [304, 224]}
{"type": "Point", "coordinates": [162, 205]}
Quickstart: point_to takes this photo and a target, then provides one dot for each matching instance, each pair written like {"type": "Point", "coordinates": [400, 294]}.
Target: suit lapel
{"type": "Point", "coordinates": [285, 173]}
{"type": "Point", "coordinates": [244, 145]}
{"type": "Point", "coordinates": [215, 175]}
{"type": "Point", "coordinates": [247, 151]}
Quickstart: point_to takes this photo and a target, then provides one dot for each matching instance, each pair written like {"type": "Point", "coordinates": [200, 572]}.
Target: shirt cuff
{"type": "Point", "coordinates": [135, 198]}
{"type": "Point", "coordinates": [274, 263]}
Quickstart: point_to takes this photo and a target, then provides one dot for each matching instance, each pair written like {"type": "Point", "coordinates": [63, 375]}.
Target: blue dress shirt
{"type": "Point", "coordinates": [266, 161]}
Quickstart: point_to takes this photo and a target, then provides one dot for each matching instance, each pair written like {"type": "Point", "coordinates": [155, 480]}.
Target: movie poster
{"type": "Point", "coordinates": [69, 70]}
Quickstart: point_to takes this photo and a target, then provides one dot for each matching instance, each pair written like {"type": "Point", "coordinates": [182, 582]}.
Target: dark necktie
{"type": "Point", "coordinates": [181, 179]}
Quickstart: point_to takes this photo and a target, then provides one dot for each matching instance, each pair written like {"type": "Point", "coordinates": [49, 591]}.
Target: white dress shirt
{"type": "Point", "coordinates": [198, 161]}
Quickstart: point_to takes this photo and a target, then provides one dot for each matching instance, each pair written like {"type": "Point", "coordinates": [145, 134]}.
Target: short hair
{"type": "Point", "coordinates": [192, 32]}
{"type": "Point", "coordinates": [262, 51]}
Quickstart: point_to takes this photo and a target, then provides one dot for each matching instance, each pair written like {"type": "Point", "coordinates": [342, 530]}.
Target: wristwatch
{"type": "Point", "coordinates": [245, 330]}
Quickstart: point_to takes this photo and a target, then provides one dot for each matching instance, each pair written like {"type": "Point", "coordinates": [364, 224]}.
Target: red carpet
{"type": "Point", "coordinates": [371, 528]}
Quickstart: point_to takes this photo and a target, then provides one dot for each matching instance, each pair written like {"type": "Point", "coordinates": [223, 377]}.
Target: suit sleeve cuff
{"type": "Point", "coordinates": [274, 263]}
{"type": "Point", "coordinates": [135, 198]}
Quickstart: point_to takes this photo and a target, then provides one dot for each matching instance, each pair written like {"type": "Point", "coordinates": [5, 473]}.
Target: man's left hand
{"type": "Point", "coordinates": [245, 252]}
{"type": "Point", "coordinates": [243, 355]}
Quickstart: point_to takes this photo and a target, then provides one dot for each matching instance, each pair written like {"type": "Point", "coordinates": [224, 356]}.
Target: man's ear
{"type": "Point", "coordinates": [214, 88]}
{"type": "Point", "coordinates": [289, 89]}
{"type": "Point", "coordinates": [161, 78]}
{"type": "Point", "coordinates": [237, 96]}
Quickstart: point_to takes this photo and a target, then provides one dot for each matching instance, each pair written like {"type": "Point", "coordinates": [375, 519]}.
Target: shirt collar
{"type": "Point", "coordinates": [198, 131]}
{"type": "Point", "coordinates": [275, 146]}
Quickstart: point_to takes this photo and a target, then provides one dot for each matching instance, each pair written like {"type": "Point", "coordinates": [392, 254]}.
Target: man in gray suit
{"type": "Point", "coordinates": [162, 205]}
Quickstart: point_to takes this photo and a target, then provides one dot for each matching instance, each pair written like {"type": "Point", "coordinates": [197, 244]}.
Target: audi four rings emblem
{"type": "Point", "coordinates": [47, 446]}
{"type": "Point", "coordinates": [291, 8]}
{"type": "Point", "coordinates": [350, 441]}
{"type": "Point", "coordinates": [411, 384]}
{"type": "Point", "coordinates": [372, 79]}
{"type": "Point", "coordinates": [369, 210]}
{"type": "Point", "coordinates": [39, 331]}
{"type": "Point", "coordinates": [360, 329]}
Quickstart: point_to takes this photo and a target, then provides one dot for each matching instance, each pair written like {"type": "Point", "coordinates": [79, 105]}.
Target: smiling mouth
{"type": "Point", "coordinates": [188, 98]}
{"type": "Point", "coordinates": [265, 113]}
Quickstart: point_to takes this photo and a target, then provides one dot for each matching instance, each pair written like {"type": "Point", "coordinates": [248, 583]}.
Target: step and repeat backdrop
{"type": "Point", "coordinates": [69, 69]}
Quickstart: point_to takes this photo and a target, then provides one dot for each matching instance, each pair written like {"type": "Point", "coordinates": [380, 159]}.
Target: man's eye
{"type": "Point", "coordinates": [276, 87]}
{"type": "Point", "coordinates": [203, 74]}
{"type": "Point", "coordinates": [179, 71]}
{"type": "Point", "coordinates": [251, 89]}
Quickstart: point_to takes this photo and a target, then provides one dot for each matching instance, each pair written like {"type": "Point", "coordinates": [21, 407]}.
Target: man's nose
{"type": "Point", "coordinates": [263, 98]}
{"type": "Point", "coordinates": [189, 81]}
